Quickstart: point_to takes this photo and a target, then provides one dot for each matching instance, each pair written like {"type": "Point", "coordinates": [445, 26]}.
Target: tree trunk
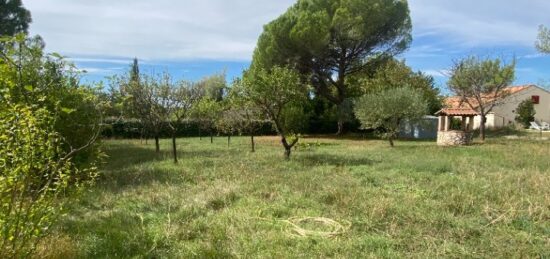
{"type": "Point", "coordinates": [174, 151]}
{"type": "Point", "coordinates": [157, 145]}
{"type": "Point", "coordinates": [391, 141]}
{"type": "Point", "coordinates": [287, 153]}
{"type": "Point", "coordinates": [252, 144]}
{"type": "Point", "coordinates": [211, 137]}
{"type": "Point", "coordinates": [200, 136]}
{"type": "Point", "coordinates": [340, 131]}
{"type": "Point", "coordinates": [288, 146]}
{"type": "Point", "coordinates": [228, 140]}
{"type": "Point", "coordinates": [482, 128]}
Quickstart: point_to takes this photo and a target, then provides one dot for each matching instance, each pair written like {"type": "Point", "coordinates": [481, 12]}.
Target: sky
{"type": "Point", "coordinates": [194, 38]}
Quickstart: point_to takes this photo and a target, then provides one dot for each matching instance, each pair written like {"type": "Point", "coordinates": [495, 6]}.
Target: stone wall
{"type": "Point", "coordinates": [453, 138]}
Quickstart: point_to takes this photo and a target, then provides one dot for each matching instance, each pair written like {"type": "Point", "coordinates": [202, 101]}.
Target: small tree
{"type": "Point", "coordinates": [245, 115]}
{"type": "Point", "coordinates": [481, 83]}
{"type": "Point", "coordinates": [525, 113]}
{"type": "Point", "coordinates": [207, 112]}
{"type": "Point", "coordinates": [228, 121]}
{"type": "Point", "coordinates": [386, 110]}
{"type": "Point", "coordinates": [280, 96]}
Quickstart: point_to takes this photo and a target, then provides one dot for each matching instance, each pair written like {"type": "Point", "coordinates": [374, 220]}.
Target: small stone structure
{"type": "Point", "coordinates": [455, 137]}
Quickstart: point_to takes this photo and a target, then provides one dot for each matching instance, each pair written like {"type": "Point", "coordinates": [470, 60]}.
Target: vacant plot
{"type": "Point", "coordinates": [366, 200]}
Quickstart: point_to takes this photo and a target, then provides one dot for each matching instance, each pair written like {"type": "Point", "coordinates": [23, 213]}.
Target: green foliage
{"type": "Point", "coordinates": [386, 110]}
{"type": "Point", "coordinates": [207, 112]}
{"type": "Point", "coordinates": [133, 129]}
{"type": "Point", "coordinates": [49, 125]}
{"type": "Point", "coordinates": [543, 42]}
{"type": "Point", "coordinates": [525, 113]}
{"type": "Point", "coordinates": [213, 86]}
{"type": "Point", "coordinates": [481, 83]}
{"type": "Point", "coordinates": [281, 97]}
{"type": "Point", "coordinates": [14, 18]}
{"type": "Point", "coordinates": [395, 73]}
{"type": "Point", "coordinates": [32, 176]}
{"type": "Point", "coordinates": [31, 77]}
{"type": "Point", "coordinates": [241, 113]}
{"type": "Point", "coordinates": [330, 40]}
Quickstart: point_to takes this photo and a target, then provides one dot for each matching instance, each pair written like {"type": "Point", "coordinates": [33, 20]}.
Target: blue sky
{"type": "Point", "coordinates": [194, 38]}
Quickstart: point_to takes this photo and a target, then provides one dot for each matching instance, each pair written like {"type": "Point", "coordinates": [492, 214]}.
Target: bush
{"type": "Point", "coordinates": [33, 177]}
{"type": "Point", "coordinates": [525, 113]}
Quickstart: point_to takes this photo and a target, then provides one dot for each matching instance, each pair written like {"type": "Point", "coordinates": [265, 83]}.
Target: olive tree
{"type": "Point", "coordinates": [386, 110]}
{"type": "Point", "coordinates": [329, 41]}
{"type": "Point", "coordinates": [481, 84]}
{"type": "Point", "coordinates": [279, 94]}
{"type": "Point", "coordinates": [394, 74]}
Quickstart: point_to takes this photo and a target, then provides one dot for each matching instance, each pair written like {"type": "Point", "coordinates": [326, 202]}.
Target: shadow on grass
{"type": "Point", "coordinates": [131, 166]}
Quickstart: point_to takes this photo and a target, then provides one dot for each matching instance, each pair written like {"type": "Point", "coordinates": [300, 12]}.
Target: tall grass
{"type": "Point", "coordinates": [415, 200]}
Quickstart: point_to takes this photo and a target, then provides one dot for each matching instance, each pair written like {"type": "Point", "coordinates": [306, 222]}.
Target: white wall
{"type": "Point", "coordinates": [505, 113]}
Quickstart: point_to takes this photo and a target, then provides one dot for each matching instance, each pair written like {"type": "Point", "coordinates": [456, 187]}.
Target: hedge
{"type": "Point", "coordinates": [133, 129]}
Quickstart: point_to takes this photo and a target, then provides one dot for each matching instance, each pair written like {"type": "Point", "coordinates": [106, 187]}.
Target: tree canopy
{"type": "Point", "coordinates": [281, 97]}
{"type": "Point", "coordinates": [396, 74]}
{"type": "Point", "coordinates": [14, 18]}
{"type": "Point", "coordinates": [481, 83]}
{"type": "Point", "coordinates": [386, 110]}
{"type": "Point", "coordinates": [329, 40]}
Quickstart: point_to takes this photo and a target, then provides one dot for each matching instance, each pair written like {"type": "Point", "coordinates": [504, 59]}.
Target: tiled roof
{"type": "Point", "coordinates": [458, 102]}
{"type": "Point", "coordinates": [457, 112]}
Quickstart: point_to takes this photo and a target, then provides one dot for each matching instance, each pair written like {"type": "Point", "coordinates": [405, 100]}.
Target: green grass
{"type": "Point", "coordinates": [415, 200]}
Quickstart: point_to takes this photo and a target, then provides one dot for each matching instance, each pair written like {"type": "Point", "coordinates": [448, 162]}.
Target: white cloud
{"type": "Point", "coordinates": [162, 29]}
{"type": "Point", "coordinates": [475, 23]}
{"type": "Point", "coordinates": [437, 73]}
{"type": "Point", "coordinates": [228, 30]}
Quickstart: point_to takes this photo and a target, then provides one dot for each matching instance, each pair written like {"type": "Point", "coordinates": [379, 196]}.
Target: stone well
{"type": "Point", "coordinates": [453, 138]}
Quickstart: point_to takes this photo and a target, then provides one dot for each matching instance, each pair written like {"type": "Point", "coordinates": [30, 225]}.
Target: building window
{"type": "Point", "coordinates": [535, 99]}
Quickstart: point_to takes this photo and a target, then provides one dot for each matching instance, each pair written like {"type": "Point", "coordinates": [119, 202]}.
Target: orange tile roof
{"type": "Point", "coordinates": [458, 102]}
{"type": "Point", "coordinates": [457, 112]}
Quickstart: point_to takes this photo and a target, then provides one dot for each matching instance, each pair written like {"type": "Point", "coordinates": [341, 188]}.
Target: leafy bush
{"type": "Point", "coordinates": [34, 174]}
{"type": "Point", "coordinates": [48, 127]}
{"type": "Point", "coordinates": [525, 113]}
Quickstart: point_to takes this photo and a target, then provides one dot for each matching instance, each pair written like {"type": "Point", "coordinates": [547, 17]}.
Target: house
{"type": "Point", "coordinates": [504, 113]}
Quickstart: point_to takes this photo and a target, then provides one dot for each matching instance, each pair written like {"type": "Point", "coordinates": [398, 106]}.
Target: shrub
{"type": "Point", "coordinates": [34, 175]}
{"type": "Point", "coordinates": [525, 113]}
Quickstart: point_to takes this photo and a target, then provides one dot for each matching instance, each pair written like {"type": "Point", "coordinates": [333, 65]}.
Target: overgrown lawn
{"type": "Point", "coordinates": [415, 200]}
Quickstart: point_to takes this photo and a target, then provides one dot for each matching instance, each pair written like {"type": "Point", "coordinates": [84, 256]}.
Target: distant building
{"type": "Point", "coordinates": [504, 113]}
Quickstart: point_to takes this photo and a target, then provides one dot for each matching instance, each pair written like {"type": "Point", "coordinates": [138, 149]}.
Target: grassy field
{"type": "Point", "coordinates": [415, 200]}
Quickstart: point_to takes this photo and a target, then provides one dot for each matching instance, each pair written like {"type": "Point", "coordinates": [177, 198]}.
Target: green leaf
{"type": "Point", "coordinates": [67, 110]}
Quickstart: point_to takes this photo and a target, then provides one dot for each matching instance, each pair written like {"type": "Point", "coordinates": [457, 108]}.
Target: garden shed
{"type": "Point", "coordinates": [426, 128]}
